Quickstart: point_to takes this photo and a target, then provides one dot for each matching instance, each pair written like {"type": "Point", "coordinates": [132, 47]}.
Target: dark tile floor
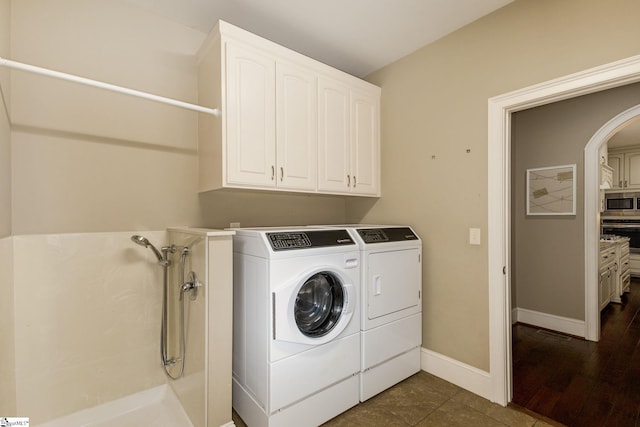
{"type": "Point", "coordinates": [578, 382]}
{"type": "Point", "coordinates": [425, 400]}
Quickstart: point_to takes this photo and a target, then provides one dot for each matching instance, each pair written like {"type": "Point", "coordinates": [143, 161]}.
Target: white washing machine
{"type": "Point", "coordinates": [391, 321]}
{"type": "Point", "coordinates": [296, 331]}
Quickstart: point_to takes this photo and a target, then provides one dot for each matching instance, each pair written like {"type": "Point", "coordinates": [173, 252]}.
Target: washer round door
{"type": "Point", "coordinates": [319, 305]}
{"type": "Point", "coordinates": [315, 310]}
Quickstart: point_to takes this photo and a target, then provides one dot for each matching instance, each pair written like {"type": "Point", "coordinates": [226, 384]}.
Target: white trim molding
{"type": "Point", "coordinates": [466, 376]}
{"type": "Point", "coordinates": [565, 325]}
{"type": "Point", "coordinates": [500, 108]}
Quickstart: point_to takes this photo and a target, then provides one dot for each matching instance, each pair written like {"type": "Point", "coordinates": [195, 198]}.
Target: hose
{"type": "Point", "coordinates": [166, 363]}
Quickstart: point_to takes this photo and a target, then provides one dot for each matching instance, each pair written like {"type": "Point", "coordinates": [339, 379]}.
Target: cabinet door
{"type": "Point", "coordinates": [632, 169]}
{"type": "Point", "coordinates": [603, 288]}
{"type": "Point", "coordinates": [250, 114]}
{"type": "Point", "coordinates": [616, 163]}
{"type": "Point", "coordinates": [365, 142]}
{"type": "Point", "coordinates": [334, 172]}
{"type": "Point", "coordinates": [296, 127]}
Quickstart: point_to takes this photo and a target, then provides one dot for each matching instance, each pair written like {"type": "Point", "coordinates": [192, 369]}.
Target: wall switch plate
{"type": "Point", "coordinates": [474, 236]}
{"type": "Point", "coordinates": [234, 225]}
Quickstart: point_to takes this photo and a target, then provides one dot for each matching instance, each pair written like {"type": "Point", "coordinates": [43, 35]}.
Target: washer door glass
{"type": "Point", "coordinates": [319, 304]}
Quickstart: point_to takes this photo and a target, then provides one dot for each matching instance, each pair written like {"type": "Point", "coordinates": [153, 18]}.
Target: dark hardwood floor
{"type": "Point", "coordinates": [578, 382]}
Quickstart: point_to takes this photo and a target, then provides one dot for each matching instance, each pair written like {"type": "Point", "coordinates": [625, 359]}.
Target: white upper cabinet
{"type": "Point", "coordinates": [287, 122]}
{"type": "Point", "coordinates": [297, 127]}
{"type": "Point", "coordinates": [632, 169]}
{"type": "Point", "coordinates": [334, 153]}
{"type": "Point", "coordinates": [615, 162]}
{"type": "Point", "coordinates": [365, 142]}
{"type": "Point", "coordinates": [250, 116]}
{"type": "Point", "coordinates": [348, 139]}
{"type": "Point", "coordinates": [626, 168]}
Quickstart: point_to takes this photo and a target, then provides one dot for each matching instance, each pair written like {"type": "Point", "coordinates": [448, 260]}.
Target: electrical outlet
{"type": "Point", "coordinates": [234, 225]}
{"type": "Point", "coordinates": [474, 236]}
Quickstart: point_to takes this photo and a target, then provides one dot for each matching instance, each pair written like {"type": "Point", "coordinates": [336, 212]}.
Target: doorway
{"type": "Point", "coordinates": [499, 154]}
{"type": "Point", "coordinates": [559, 376]}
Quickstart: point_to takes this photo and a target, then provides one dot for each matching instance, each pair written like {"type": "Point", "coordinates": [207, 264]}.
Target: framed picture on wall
{"type": "Point", "coordinates": [551, 190]}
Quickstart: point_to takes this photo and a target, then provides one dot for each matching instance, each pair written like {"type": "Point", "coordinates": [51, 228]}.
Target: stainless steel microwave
{"type": "Point", "coordinates": [623, 203]}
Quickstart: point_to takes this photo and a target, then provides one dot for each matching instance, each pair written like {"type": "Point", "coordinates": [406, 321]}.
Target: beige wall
{"type": "Point", "coordinates": [548, 252]}
{"type": "Point", "coordinates": [7, 342]}
{"type": "Point", "coordinates": [7, 338]}
{"type": "Point", "coordinates": [90, 160]}
{"type": "Point", "coordinates": [86, 160]}
{"type": "Point", "coordinates": [5, 134]}
{"type": "Point", "coordinates": [434, 109]}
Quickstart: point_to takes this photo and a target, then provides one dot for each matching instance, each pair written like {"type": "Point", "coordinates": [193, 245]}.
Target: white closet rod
{"type": "Point", "coordinates": [77, 79]}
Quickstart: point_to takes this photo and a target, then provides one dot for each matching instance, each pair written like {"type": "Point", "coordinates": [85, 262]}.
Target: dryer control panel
{"type": "Point", "coordinates": [289, 240]}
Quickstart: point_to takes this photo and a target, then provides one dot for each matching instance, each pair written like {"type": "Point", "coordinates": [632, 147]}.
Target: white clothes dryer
{"type": "Point", "coordinates": [391, 296]}
{"type": "Point", "coordinates": [296, 331]}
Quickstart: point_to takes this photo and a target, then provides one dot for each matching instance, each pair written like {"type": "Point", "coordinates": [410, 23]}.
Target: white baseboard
{"type": "Point", "coordinates": [466, 376]}
{"type": "Point", "coordinates": [549, 321]}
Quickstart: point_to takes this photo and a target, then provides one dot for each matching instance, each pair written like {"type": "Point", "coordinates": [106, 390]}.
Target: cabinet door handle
{"type": "Point", "coordinates": [625, 183]}
{"type": "Point", "coordinates": [619, 184]}
{"type": "Point", "coordinates": [281, 173]}
{"type": "Point", "coordinates": [354, 181]}
{"type": "Point", "coordinates": [348, 180]}
{"type": "Point", "coordinates": [273, 172]}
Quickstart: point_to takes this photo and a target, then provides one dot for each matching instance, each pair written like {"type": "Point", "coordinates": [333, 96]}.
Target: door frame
{"type": "Point", "coordinates": [500, 108]}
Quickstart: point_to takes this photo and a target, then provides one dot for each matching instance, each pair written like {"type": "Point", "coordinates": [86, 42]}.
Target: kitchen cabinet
{"type": "Point", "coordinates": [287, 122]}
{"type": "Point", "coordinates": [616, 161]}
{"type": "Point", "coordinates": [622, 273]}
{"type": "Point", "coordinates": [626, 168]}
{"type": "Point", "coordinates": [604, 288]}
{"type": "Point", "coordinates": [608, 269]}
{"type": "Point", "coordinates": [624, 282]}
{"type": "Point", "coordinates": [615, 270]}
{"type": "Point", "coordinates": [634, 264]}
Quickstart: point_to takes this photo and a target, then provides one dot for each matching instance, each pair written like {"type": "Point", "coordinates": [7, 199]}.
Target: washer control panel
{"type": "Point", "coordinates": [290, 240]}
{"type": "Point", "coordinates": [280, 241]}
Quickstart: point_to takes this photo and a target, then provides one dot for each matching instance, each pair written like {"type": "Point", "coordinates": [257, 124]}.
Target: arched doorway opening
{"type": "Point", "coordinates": [592, 213]}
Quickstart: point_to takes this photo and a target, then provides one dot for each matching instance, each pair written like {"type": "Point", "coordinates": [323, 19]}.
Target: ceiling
{"type": "Point", "coordinates": [356, 36]}
{"type": "Point", "coordinates": [627, 136]}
